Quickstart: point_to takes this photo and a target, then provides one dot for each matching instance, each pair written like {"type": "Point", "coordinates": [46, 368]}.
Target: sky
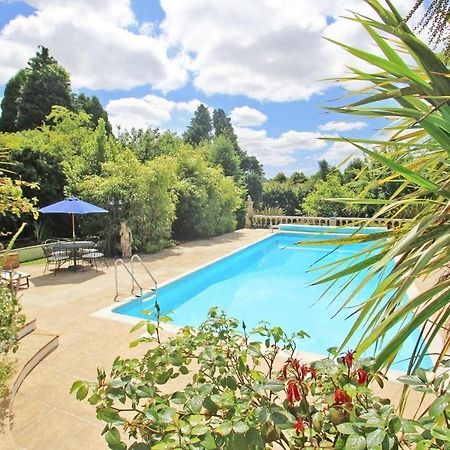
{"type": "Point", "coordinates": [151, 63]}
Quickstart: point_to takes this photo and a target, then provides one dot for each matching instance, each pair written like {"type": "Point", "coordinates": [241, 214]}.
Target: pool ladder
{"type": "Point", "coordinates": [134, 282]}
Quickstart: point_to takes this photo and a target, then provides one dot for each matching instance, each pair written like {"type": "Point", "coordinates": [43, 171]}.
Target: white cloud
{"type": "Point", "coordinates": [93, 41]}
{"type": "Point", "coordinates": [279, 151]}
{"type": "Point", "coordinates": [338, 152]}
{"type": "Point", "coordinates": [245, 116]}
{"type": "Point", "coordinates": [337, 125]}
{"type": "Point", "coordinates": [150, 111]}
{"type": "Point", "coordinates": [265, 49]}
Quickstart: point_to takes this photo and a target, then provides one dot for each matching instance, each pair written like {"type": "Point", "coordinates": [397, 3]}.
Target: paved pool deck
{"type": "Point", "coordinates": [45, 416]}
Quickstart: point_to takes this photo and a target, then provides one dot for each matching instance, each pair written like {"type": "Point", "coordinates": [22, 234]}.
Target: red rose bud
{"type": "Point", "coordinates": [362, 376]}
{"type": "Point", "coordinates": [285, 369]}
{"type": "Point", "coordinates": [299, 426]}
{"type": "Point", "coordinates": [341, 397]}
{"type": "Point", "coordinates": [292, 392]}
{"type": "Point", "coordinates": [347, 359]}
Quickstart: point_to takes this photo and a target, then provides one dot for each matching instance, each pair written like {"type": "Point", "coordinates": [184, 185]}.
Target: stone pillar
{"type": "Point", "coordinates": [249, 212]}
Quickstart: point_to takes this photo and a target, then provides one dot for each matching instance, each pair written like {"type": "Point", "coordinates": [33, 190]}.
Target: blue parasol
{"type": "Point", "coordinates": [72, 205]}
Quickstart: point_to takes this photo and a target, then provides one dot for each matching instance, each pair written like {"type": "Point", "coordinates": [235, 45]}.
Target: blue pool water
{"type": "Point", "coordinates": [268, 281]}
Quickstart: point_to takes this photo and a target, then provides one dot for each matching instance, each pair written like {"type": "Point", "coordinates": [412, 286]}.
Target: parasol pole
{"type": "Point", "coordinates": [73, 227]}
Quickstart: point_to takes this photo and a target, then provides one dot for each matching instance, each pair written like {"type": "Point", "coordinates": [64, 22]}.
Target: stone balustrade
{"type": "Point", "coordinates": [265, 221]}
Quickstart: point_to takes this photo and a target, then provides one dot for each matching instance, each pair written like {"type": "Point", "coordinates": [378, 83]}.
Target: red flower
{"type": "Point", "coordinates": [292, 392]}
{"type": "Point", "coordinates": [362, 376]}
{"type": "Point", "coordinates": [300, 425]}
{"type": "Point", "coordinates": [295, 364]}
{"type": "Point", "coordinates": [285, 369]}
{"type": "Point", "coordinates": [312, 371]}
{"type": "Point", "coordinates": [341, 397]}
{"type": "Point", "coordinates": [347, 359]}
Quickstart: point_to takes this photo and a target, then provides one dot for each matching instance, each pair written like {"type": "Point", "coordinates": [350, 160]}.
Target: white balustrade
{"type": "Point", "coordinates": [267, 221]}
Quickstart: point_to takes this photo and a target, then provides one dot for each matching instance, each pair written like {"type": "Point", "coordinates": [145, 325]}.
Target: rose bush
{"type": "Point", "coordinates": [237, 390]}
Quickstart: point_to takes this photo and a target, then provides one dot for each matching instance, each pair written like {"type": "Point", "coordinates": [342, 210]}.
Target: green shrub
{"type": "Point", "coordinates": [6, 372]}
{"type": "Point", "coordinates": [11, 319]}
{"type": "Point", "coordinates": [207, 200]}
{"type": "Point", "coordinates": [235, 395]}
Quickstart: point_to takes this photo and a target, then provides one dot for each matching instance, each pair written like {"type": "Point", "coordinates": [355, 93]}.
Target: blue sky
{"type": "Point", "coordinates": [152, 62]}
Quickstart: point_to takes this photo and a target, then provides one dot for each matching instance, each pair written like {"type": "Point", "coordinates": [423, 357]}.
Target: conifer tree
{"type": "Point", "coordinates": [10, 102]}
{"type": "Point", "coordinates": [94, 108]}
{"type": "Point", "coordinates": [200, 128]}
{"type": "Point", "coordinates": [47, 84]}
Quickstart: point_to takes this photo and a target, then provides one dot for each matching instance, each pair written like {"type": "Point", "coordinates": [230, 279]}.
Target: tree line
{"type": "Point", "coordinates": [163, 185]}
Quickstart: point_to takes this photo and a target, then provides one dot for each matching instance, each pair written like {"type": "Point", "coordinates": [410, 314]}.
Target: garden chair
{"type": "Point", "coordinates": [92, 257]}
{"type": "Point", "coordinates": [57, 258]}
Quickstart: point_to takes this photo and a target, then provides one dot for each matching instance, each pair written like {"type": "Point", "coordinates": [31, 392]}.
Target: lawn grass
{"type": "Point", "coordinates": [34, 262]}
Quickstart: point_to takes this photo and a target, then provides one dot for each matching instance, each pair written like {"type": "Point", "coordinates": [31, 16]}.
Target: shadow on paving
{"type": "Point", "coordinates": [64, 276]}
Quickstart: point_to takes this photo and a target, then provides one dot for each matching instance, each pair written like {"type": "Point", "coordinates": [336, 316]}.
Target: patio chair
{"type": "Point", "coordinates": [93, 257]}
{"type": "Point", "coordinates": [57, 258]}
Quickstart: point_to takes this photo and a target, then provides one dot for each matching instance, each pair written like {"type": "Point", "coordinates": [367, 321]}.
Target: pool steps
{"type": "Point", "coordinates": [134, 282]}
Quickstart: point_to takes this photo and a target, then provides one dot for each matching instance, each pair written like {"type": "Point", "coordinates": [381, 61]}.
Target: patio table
{"type": "Point", "coordinates": [73, 247]}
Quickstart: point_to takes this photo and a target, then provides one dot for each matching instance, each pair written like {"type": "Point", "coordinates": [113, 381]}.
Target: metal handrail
{"type": "Point", "coordinates": [138, 258]}
{"type": "Point", "coordinates": [121, 261]}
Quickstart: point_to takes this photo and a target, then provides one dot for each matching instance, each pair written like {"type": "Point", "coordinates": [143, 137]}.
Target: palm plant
{"type": "Point", "coordinates": [409, 84]}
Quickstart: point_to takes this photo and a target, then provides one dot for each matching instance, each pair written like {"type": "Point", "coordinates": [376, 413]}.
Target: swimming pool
{"type": "Point", "coordinates": [269, 281]}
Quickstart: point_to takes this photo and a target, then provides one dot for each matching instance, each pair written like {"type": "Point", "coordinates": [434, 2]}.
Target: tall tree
{"type": "Point", "coordinates": [13, 90]}
{"type": "Point", "coordinates": [324, 169]}
{"type": "Point", "coordinates": [94, 108]}
{"type": "Point", "coordinates": [200, 128]}
{"type": "Point", "coordinates": [223, 127]}
{"type": "Point", "coordinates": [223, 154]}
{"type": "Point", "coordinates": [298, 178]}
{"type": "Point", "coordinates": [280, 178]}
{"type": "Point", "coordinates": [47, 84]}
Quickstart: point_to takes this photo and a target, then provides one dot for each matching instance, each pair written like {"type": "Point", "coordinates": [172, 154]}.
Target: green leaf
{"type": "Point", "coordinates": [254, 439]}
{"type": "Point", "coordinates": [163, 446]}
{"type": "Point", "coordinates": [346, 428]}
{"type": "Point", "coordinates": [409, 174]}
{"type": "Point", "coordinates": [199, 430]}
{"type": "Point", "coordinates": [94, 399]}
{"type": "Point", "coordinates": [82, 392]}
{"type": "Point", "coordinates": [195, 404]}
{"type": "Point", "coordinates": [355, 442]}
{"type": "Point", "coordinates": [112, 438]}
{"type": "Point", "coordinates": [395, 425]}
{"type": "Point", "coordinates": [240, 427]}
{"type": "Point", "coordinates": [224, 428]}
{"type": "Point", "coordinates": [76, 385]}
{"type": "Point", "coordinates": [273, 385]}
{"type": "Point", "coordinates": [138, 325]}
{"type": "Point", "coordinates": [209, 442]}
{"type": "Point", "coordinates": [441, 433]}
{"type": "Point", "coordinates": [438, 407]}
{"type": "Point", "coordinates": [375, 439]}
{"type": "Point", "coordinates": [110, 415]}
{"type": "Point", "coordinates": [135, 343]}
{"type": "Point", "coordinates": [166, 415]}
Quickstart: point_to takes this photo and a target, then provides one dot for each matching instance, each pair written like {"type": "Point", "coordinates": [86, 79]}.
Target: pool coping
{"type": "Point", "coordinates": [109, 314]}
